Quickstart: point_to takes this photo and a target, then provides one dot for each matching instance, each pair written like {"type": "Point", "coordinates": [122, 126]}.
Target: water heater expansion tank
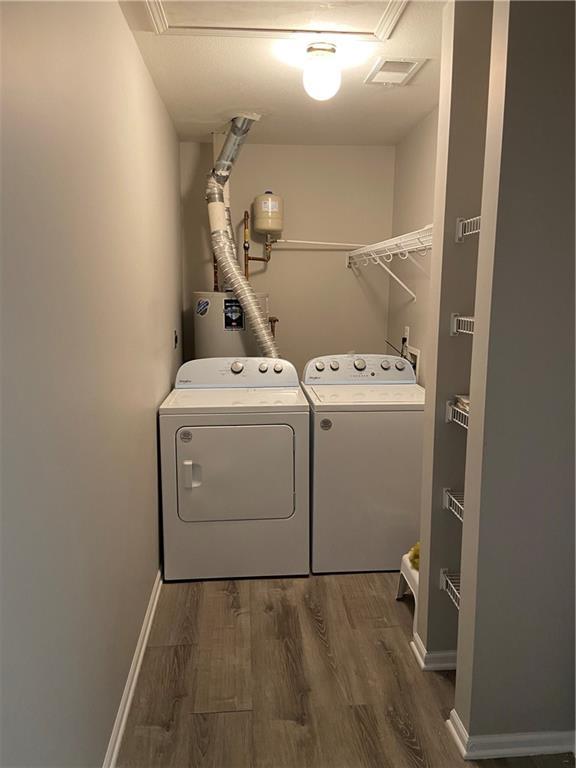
{"type": "Point", "coordinates": [268, 211]}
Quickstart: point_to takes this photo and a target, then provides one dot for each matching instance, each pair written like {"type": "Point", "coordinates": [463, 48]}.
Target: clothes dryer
{"type": "Point", "coordinates": [234, 443]}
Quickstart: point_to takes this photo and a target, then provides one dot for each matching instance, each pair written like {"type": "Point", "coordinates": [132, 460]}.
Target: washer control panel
{"type": "Point", "coordinates": [359, 369]}
{"type": "Point", "coordinates": [230, 372]}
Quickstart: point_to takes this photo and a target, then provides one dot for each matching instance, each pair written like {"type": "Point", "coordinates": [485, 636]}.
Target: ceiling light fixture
{"type": "Point", "coordinates": [322, 76]}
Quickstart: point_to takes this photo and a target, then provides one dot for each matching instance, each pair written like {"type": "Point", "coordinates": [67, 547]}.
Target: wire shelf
{"type": "Point", "coordinates": [461, 324]}
{"type": "Point", "coordinates": [457, 415]}
{"type": "Point", "coordinates": [403, 246]}
{"type": "Point", "coordinates": [450, 583]}
{"type": "Point", "coordinates": [454, 502]}
{"type": "Point", "coordinates": [466, 227]}
{"type": "Point", "coordinates": [406, 246]}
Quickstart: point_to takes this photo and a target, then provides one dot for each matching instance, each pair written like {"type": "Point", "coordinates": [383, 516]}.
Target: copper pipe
{"type": "Point", "coordinates": [273, 320]}
{"type": "Point", "coordinates": [216, 288]}
{"type": "Point", "coordinates": [246, 244]}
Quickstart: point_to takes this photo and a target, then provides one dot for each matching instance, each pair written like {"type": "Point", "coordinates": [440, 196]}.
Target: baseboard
{"type": "Point", "coordinates": [431, 661]}
{"type": "Point", "coordinates": [132, 679]}
{"type": "Point", "coordinates": [508, 744]}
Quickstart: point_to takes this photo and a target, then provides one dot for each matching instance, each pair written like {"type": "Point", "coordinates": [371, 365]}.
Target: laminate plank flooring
{"type": "Point", "coordinates": [291, 673]}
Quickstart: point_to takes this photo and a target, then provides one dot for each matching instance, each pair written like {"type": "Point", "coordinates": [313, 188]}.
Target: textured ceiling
{"type": "Point", "coordinates": [206, 79]}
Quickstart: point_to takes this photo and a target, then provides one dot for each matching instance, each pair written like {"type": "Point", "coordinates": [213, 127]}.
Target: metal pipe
{"type": "Point", "coordinates": [221, 233]}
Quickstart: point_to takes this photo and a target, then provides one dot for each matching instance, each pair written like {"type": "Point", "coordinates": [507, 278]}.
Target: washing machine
{"type": "Point", "coordinates": [234, 447]}
{"type": "Point", "coordinates": [366, 415]}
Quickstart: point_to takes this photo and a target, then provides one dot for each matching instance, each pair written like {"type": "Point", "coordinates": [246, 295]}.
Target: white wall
{"type": "Point", "coordinates": [90, 298]}
{"type": "Point", "coordinates": [413, 208]}
{"type": "Point", "coordinates": [335, 193]}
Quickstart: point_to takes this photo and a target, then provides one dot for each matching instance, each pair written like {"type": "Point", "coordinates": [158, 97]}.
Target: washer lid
{"type": "Point", "coordinates": [386, 397]}
{"type": "Point", "coordinates": [249, 400]}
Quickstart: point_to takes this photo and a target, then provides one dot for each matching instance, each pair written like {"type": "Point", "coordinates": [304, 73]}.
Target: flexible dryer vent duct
{"type": "Point", "coordinates": [222, 235]}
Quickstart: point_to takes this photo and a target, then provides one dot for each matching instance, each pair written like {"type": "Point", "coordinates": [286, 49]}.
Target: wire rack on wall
{"type": "Point", "coordinates": [461, 324]}
{"type": "Point", "coordinates": [457, 414]}
{"type": "Point", "coordinates": [454, 502]}
{"type": "Point", "coordinates": [405, 247]}
{"type": "Point", "coordinates": [450, 583]}
{"type": "Point", "coordinates": [466, 227]}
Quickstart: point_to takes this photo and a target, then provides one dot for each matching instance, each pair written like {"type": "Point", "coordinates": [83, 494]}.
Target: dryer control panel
{"type": "Point", "coordinates": [359, 369]}
{"type": "Point", "coordinates": [232, 372]}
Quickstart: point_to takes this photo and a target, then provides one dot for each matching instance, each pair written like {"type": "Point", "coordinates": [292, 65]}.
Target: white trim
{"type": "Point", "coordinates": [390, 18]}
{"type": "Point", "coordinates": [158, 16]}
{"type": "Point", "coordinates": [508, 744]}
{"type": "Point", "coordinates": [132, 679]}
{"type": "Point", "coordinates": [382, 31]}
{"type": "Point", "coordinates": [431, 661]}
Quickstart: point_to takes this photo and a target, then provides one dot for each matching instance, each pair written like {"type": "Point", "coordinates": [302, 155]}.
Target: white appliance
{"type": "Point", "coordinates": [234, 437]}
{"type": "Point", "coordinates": [367, 415]}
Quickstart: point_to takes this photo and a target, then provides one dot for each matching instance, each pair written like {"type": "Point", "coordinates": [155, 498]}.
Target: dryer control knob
{"type": "Point", "coordinates": [263, 367]}
{"type": "Point", "coordinates": [278, 368]}
{"type": "Point", "coordinates": [319, 365]}
{"type": "Point", "coordinates": [360, 364]}
{"type": "Point", "coordinates": [237, 366]}
{"type": "Point", "coordinates": [334, 365]}
{"type": "Point", "coordinates": [400, 365]}
{"type": "Point", "coordinates": [385, 364]}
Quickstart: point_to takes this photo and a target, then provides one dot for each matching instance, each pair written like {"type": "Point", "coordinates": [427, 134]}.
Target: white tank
{"type": "Point", "coordinates": [220, 328]}
{"type": "Point", "coordinates": [268, 213]}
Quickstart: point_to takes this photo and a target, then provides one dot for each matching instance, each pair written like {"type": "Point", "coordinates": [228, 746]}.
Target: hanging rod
{"type": "Point", "coordinates": [323, 244]}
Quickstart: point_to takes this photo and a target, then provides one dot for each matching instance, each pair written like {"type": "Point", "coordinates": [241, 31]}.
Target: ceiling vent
{"type": "Point", "coordinates": [394, 73]}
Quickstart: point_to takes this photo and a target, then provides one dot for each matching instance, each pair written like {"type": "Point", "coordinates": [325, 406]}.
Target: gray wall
{"type": "Point", "coordinates": [330, 193]}
{"type": "Point", "coordinates": [458, 190]}
{"type": "Point", "coordinates": [516, 639]}
{"type": "Point", "coordinates": [90, 298]}
{"type": "Point", "coordinates": [414, 175]}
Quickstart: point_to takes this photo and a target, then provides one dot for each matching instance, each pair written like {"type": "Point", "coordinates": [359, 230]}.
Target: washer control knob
{"type": "Point", "coordinates": [334, 365]}
{"type": "Point", "coordinates": [360, 364]}
{"type": "Point", "coordinates": [263, 367]}
{"type": "Point", "coordinates": [319, 365]}
{"type": "Point", "coordinates": [400, 365]}
{"type": "Point", "coordinates": [237, 366]}
{"type": "Point", "coordinates": [385, 365]}
{"type": "Point", "coordinates": [278, 368]}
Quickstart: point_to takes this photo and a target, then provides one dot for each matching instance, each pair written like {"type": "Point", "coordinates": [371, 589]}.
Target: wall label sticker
{"type": "Point", "coordinates": [233, 315]}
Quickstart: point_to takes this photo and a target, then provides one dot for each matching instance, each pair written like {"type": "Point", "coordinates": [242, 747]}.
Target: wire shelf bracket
{"type": "Point", "coordinates": [461, 324]}
{"type": "Point", "coordinates": [450, 583]}
{"type": "Point", "coordinates": [453, 501]}
{"type": "Point", "coordinates": [466, 227]}
{"type": "Point", "coordinates": [456, 414]}
{"type": "Point", "coordinates": [405, 247]}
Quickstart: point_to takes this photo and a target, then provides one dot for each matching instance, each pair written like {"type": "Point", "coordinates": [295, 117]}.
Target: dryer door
{"type": "Point", "coordinates": [241, 472]}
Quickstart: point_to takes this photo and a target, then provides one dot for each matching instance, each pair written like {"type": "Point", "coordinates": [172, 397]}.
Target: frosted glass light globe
{"type": "Point", "coordinates": [322, 77]}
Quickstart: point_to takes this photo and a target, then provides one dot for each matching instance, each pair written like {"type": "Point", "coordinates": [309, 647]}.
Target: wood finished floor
{"type": "Point", "coordinates": [291, 673]}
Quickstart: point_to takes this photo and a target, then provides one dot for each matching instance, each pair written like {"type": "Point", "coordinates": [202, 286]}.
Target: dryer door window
{"type": "Point", "coordinates": [235, 472]}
